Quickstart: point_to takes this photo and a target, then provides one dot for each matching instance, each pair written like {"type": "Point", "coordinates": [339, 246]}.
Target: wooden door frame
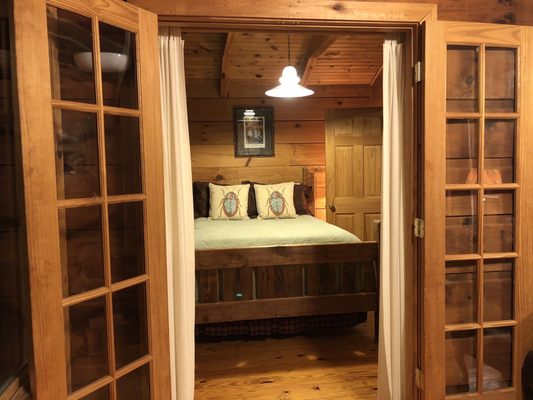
{"type": "Point", "coordinates": [312, 15]}
{"type": "Point", "coordinates": [47, 372]}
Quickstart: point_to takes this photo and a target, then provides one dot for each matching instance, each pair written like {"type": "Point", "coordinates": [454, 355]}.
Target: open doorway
{"type": "Point", "coordinates": [300, 326]}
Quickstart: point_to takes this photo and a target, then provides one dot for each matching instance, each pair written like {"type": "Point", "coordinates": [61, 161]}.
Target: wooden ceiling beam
{"type": "Point", "coordinates": [315, 52]}
{"type": "Point", "coordinates": [224, 63]}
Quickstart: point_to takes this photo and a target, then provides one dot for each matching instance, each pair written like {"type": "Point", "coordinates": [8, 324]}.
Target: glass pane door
{"type": "Point", "coordinates": [97, 132]}
{"type": "Point", "coordinates": [482, 114]}
{"type": "Point", "coordinates": [104, 207]}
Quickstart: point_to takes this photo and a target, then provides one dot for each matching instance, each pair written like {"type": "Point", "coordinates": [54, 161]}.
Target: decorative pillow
{"type": "Point", "coordinates": [252, 207]}
{"type": "Point", "coordinates": [200, 195]}
{"type": "Point", "coordinates": [228, 202]}
{"type": "Point", "coordinates": [303, 198]}
{"type": "Point", "coordinates": [275, 201]}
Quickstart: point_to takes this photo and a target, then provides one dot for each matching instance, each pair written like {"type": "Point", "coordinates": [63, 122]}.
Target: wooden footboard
{"type": "Point", "coordinates": [286, 281]}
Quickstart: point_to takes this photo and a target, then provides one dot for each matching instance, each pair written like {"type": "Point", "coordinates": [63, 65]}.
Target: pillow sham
{"type": "Point", "coordinates": [200, 196]}
{"type": "Point", "coordinates": [228, 202]}
{"type": "Point", "coordinates": [275, 201]}
{"type": "Point", "coordinates": [303, 198]}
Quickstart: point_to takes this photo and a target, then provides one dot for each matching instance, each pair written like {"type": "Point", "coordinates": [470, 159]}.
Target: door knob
{"type": "Point", "coordinates": [332, 207]}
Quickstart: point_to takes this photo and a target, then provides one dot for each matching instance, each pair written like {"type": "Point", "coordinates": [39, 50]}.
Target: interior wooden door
{"type": "Point", "coordinates": [476, 275]}
{"type": "Point", "coordinates": [354, 140]}
{"type": "Point", "coordinates": [88, 82]}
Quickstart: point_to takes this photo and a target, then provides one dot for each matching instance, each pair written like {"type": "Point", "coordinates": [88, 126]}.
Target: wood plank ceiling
{"type": "Point", "coordinates": [256, 59]}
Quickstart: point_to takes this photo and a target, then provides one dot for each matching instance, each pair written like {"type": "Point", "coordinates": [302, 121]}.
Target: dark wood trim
{"type": "Point", "coordinates": [286, 307]}
{"type": "Point", "coordinates": [286, 255]}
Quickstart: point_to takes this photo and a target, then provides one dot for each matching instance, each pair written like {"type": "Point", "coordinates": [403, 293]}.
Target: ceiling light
{"type": "Point", "coordinates": [289, 82]}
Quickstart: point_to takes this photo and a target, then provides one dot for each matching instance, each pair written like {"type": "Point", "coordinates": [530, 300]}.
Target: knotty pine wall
{"type": "Point", "coordinates": [518, 12]}
{"type": "Point", "coordinates": [299, 134]}
{"type": "Point", "coordinates": [12, 267]}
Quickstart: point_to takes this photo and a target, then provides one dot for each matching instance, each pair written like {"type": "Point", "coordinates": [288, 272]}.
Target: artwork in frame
{"type": "Point", "coordinates": [253, 132]}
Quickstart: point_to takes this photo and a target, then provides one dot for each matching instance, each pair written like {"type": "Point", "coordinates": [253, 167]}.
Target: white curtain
{"type": "Point", "coordinates": [392, 301]}
{"type": "Point", "coordinates": [179, 213]}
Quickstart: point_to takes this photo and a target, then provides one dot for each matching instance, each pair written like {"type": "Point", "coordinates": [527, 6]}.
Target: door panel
{"type": "Point", "coordinates": [474, 120]}
{"type": "Point", "coordinates": [94, 199]}
{"type": "Point", "coordinates": [353, 169]}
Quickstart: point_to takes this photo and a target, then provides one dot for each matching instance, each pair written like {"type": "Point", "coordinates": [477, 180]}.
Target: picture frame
{"type": "Point", "coordinates": [253, 131]}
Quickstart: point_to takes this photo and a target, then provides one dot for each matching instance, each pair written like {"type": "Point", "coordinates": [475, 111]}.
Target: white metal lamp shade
{"type": "Point", "coordinates": [289, 85]}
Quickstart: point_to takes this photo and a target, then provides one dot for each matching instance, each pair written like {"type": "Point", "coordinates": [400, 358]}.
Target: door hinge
{"type": "Point", "coordinates": [419, 378]}
{"type": "Point", "coordinates": [418, 72]}
{"type": "Point", "coordinates": [419, 228]}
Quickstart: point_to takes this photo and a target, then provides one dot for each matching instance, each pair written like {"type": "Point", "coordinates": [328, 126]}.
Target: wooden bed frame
{"type": "Point", "coordinates": [287, 281]}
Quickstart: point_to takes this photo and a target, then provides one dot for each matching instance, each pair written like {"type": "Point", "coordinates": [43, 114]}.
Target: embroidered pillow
{"type": "Point", "coordinates": [275, 201]}
{"type": "Point", "coordinates": [228, 202]}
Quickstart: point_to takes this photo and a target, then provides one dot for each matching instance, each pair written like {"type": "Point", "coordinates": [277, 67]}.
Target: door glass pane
{"type": "Point", "coordinates": [500, 78]}
{"type": "Point", "coordinates": [82, 252]}
{"type": "Point", "coordinates": [135, 385]}
{"type": "Point", "coordinates": [499, 151]}
{"type": "Point", "coordinates": [462, 142]}
{"type": "Point", "coordinates": [119, 66]}
{"type": "Point", "coordinates": [498, 226]}
{"type": "Point", "coordinates": [123, 155]}
{"type": "Point", "coordinates": [76, 142]}
{"type": "Point", "coordinates": [102, 394]}
{"type": "Point", "coordinates": [498, 358]}
{"type": "Point", "coordinates": [461, 292]}
{"type": "Point", "coordinates": [462, 77]}
{"type": "Point", "coordinates": [86, 343]}
{"type": "Point", "coordinates": [461, 362]}
{"type": "Point", "coordinates": [461, 222]}
{"type": "Point", "coordinates": [498, 278]}
{"type": "Point", "coordinates": [129, 323]}
{"type": "Point", "coordinates": [70, 43]}
{"type": "Point", "coordinates": [126, 240]}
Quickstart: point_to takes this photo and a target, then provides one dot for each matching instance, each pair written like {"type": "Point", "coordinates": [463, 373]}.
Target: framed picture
{"type": "Point", "coordinates": [253, 132]}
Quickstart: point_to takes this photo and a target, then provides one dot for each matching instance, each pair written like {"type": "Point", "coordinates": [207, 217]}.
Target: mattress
{"type": "Point", "coordinates": [305, 229]}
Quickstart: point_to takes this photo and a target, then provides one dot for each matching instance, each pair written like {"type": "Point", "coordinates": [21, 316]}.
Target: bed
{"type": "Point", "coordinates": [262, 269]}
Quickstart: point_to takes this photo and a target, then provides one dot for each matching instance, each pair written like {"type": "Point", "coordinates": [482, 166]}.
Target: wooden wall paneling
{"type": "Point", "coordinates": [302, 109]}
{"type": "Point", "coordinates": [235, 175]}
{"type": "Point", "coordinates": [493, 11]}
{"type": "Point", "coordinates": [307, 9]}
{"type": "Point", "coordinates": [216, 156]}
{"type": "Point", "coordinates": [209, 88]}
{"type": "Point", "coordinates": [287, 132]}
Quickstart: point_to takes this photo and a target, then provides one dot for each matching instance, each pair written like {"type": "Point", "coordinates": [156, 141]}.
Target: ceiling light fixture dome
{"type": "Point", "coordinates": [289, 82]}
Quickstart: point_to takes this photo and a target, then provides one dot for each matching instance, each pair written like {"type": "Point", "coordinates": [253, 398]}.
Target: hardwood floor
{"type": "Point", "coordinates": [338, 365]}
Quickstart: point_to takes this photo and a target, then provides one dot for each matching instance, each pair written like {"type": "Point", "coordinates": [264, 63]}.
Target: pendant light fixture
{"type": "Point", "coordinates": [289, 81]}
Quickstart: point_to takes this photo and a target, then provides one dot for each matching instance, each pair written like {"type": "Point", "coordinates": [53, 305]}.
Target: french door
{"type": "Point", "coordinates": [478, 183]}
{"type": "Point", "coordinates": [88, 85]}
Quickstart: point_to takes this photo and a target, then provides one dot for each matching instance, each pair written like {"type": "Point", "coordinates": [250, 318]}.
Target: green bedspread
{"type": "Point", "coordinates": [220, 234]}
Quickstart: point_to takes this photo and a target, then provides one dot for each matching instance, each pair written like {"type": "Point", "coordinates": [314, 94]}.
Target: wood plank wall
{"type": "Point", "coordinates": [493, 11]}
{"type": "Point", "coordinates": [11, 239]}
{"type": "Point", "coordinates": [299, 135]}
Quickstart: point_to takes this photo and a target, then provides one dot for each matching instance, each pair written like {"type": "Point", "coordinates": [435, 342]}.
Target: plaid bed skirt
{"type": "Point", "coordinates": [282, 326]}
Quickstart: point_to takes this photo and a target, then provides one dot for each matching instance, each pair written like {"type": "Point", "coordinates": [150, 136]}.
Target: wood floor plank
{"type": "Point", "coordinates": [337, 365]}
